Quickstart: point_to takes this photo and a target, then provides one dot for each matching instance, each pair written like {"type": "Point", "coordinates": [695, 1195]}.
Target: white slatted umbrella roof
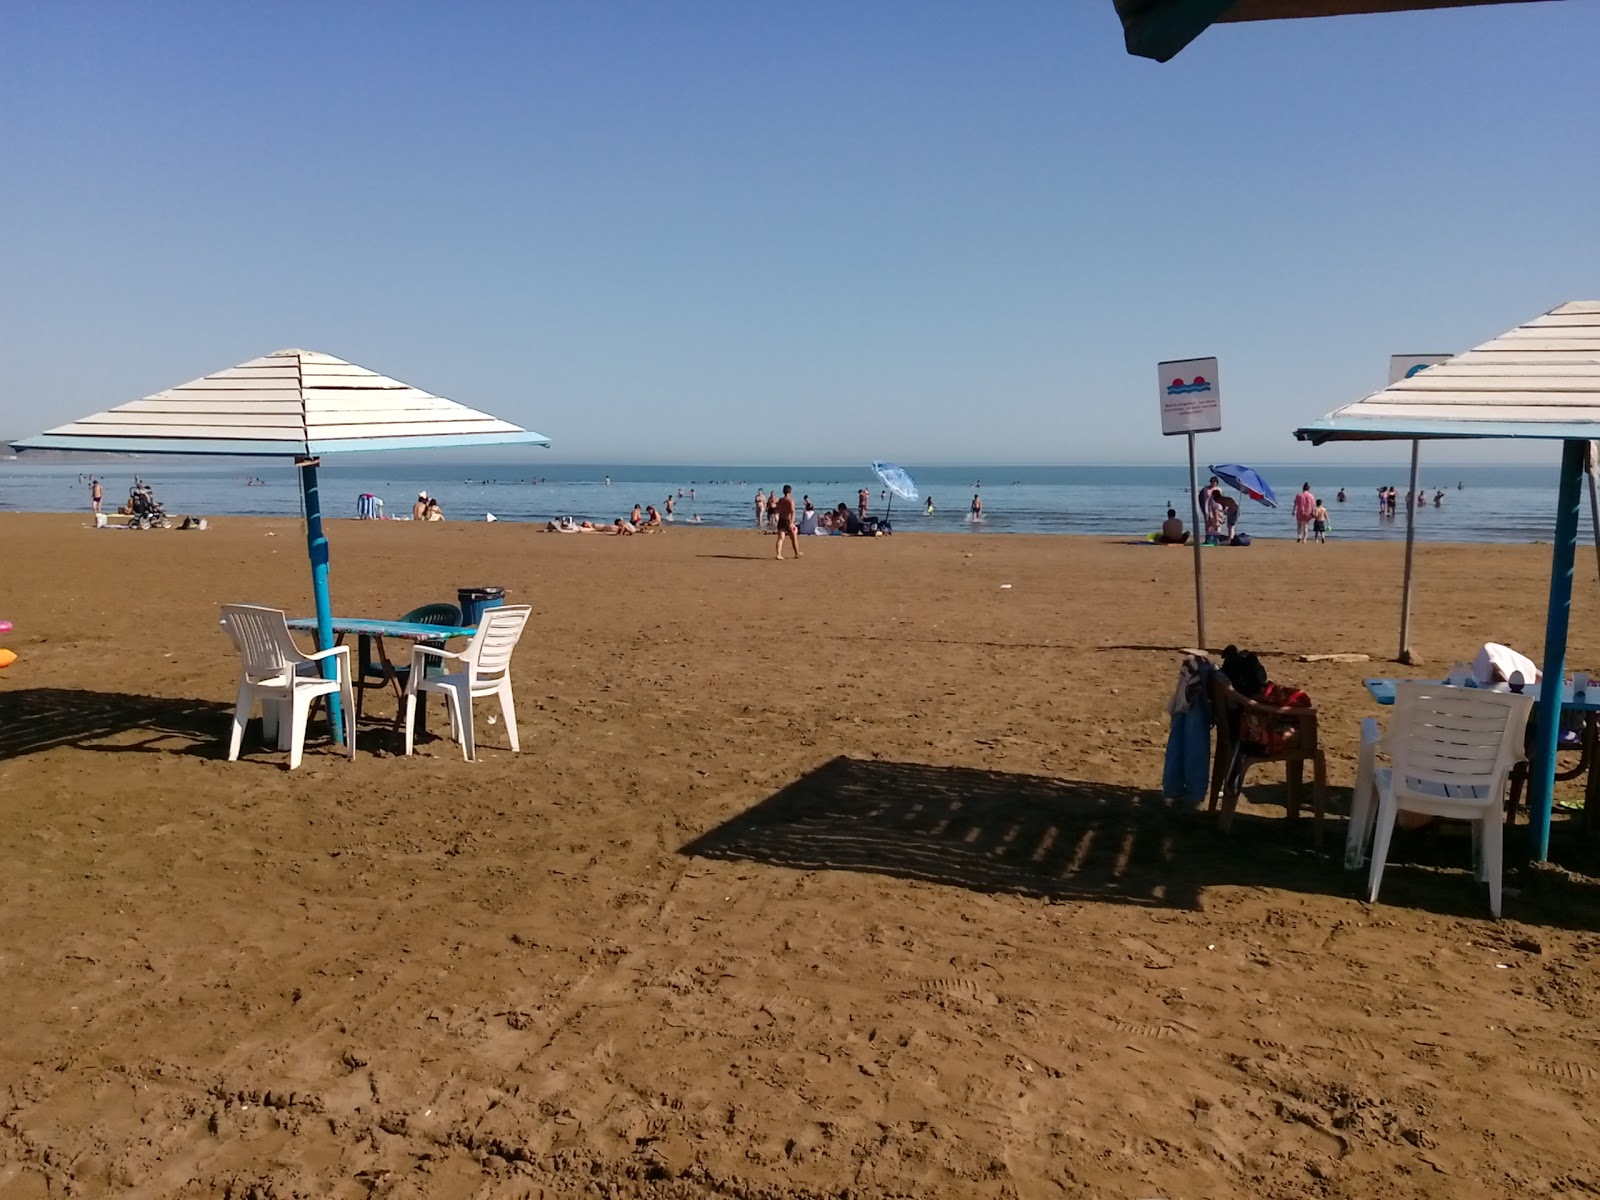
{"type": "Point", "coordinates": [1540, 380]}
{"type": "Point", "coordinates": [287, 404]}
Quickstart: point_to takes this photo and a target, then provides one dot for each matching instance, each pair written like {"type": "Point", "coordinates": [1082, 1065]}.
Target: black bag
{"type": "Point", "coordinates": [1244, 671]}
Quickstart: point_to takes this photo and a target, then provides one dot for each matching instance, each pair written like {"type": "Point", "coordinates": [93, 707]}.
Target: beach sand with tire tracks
{"type": "Point", "coordinates": [846, 876]}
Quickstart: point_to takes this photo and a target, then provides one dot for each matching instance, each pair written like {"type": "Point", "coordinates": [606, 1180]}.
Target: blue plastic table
{"type": "Point", "coordinates": [411, 631]}
{"type": "Point", "coordinates": [372, 631]}
{"type": "Point", "coordinates": [1587, 701]}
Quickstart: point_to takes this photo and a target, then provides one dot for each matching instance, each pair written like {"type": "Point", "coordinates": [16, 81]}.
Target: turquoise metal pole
{"type": "Point", "coordinates": [1542, 776]}
{"type": "Point", "coordinates": [317, 544]}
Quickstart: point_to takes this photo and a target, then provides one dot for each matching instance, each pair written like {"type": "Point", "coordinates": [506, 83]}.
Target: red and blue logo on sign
{"type": "Point", "coordinates": [1179, 388]}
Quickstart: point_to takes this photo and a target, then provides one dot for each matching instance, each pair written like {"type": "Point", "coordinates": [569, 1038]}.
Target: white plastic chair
{"type": "Point", "coordinates": [485, 670]}
{"type": "Point", "coordinates": [283, 679]}
{"type": "Point", "coordinates": [1452, 750]}
{"type": "Point", "coordinates": [1363, 801]}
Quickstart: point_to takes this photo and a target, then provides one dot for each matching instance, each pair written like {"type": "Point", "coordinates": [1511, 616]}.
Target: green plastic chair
{"type": "Point", "coordinates": [429, 614]}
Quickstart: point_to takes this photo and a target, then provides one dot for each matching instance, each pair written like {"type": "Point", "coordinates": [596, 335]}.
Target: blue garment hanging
{"type": "Point", "coordinates": [1187, 774]}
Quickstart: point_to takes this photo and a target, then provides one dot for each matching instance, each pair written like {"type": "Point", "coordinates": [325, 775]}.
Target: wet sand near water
{"type": "Point", "coordinates": [846, 876]}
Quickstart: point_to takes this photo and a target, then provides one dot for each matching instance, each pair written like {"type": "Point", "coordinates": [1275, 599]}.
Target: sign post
{"type": "Point", "coordinates": [1191, 403]}
{"type": "Point", "coordinates": [1404, 366]}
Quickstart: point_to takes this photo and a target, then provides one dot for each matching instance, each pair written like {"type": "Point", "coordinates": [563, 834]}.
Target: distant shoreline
{"type": "Point", "coordinates": [1100, 539]}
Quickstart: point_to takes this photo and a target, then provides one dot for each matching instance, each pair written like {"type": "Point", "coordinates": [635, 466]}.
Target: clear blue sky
{"type": "Point", "coordinates": [781, 232]}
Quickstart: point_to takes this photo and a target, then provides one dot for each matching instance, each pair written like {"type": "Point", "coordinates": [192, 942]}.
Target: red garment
{"type": "Point", "coordinates": [1304, 505]}
{"type": "Point", "coordinates": [1274, 734]}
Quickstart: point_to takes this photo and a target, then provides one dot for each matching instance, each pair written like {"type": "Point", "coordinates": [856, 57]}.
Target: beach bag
{"type": "Point", "coordinates": [1240, 539]}
{"type": "Point", "coordinates": [1244, 672]}
{"type": "Point", "coordinates": [1273, 735]}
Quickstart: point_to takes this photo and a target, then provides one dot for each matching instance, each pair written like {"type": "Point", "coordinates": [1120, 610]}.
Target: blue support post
{"type": "Point", "coordinates": [1542, 774]}
{"type": "Point", "coordinates": [317, 544]}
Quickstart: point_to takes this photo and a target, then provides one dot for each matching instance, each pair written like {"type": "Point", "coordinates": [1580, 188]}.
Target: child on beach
{"type": "Point", "coordinates": [1319, 521]}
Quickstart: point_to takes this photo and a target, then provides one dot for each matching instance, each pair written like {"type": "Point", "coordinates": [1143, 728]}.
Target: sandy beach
{"type": "Point", "coordinates": [840, 877]}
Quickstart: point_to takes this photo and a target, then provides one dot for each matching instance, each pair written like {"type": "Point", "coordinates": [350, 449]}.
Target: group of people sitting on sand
{"type": "Point", "coordinates": [839, 519]}
{"type": "Point", "coordinates": [1218, 510]}
{"type": "Point", "coordinates": [647, 520]}
{"type": "Point", "coordinates": [843, 520]}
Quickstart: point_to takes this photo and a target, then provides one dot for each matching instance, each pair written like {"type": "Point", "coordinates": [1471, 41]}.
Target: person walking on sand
{"type": "Point", "coordinates": [761, 507]}
{"type": "Point", "coordinates": [1319, 522]}
{"type": "Point", "coordinates": [1304, 505]}
{"type": "Point", "coordinates": [96, 496]}
{"type": "Point", "coordinates": [786, 522]}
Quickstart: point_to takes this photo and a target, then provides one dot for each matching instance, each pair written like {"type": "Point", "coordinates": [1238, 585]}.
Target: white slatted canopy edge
{"type": "Point", "coordinates": [1540, 380]}
{"type": "Point", "coordinates": [288, 403]}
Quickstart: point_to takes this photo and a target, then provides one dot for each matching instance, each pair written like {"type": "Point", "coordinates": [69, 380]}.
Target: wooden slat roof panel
{"type": "Point", "coordinates": [1531, 414]}
{"type": "Point", "coordinates": [290, 398]}
{"type": "Point", "coordinates": [172, 420]}
{"type": "Point", "coordinates": [1539, 379]}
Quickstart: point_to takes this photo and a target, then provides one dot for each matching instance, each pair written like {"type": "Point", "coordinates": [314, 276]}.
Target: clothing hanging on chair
{"type": "Point", "coordinates": [1187, 773]}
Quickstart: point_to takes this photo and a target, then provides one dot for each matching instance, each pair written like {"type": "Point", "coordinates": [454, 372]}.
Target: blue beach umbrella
{"type": "Point", "coordinates": [897, 481]}
{"type": "Point", "coordinates": [297, 404]}
{"type": "Point", "coordinates": [1248, 481]}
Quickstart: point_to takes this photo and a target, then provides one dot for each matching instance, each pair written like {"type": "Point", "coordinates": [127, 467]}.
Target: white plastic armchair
{"type": "Point", "coordinates": [282, 679]}
{"type": "Point", "coordinates": [482, 669]}
{"type": "Point", "coordinates": [1452, 750]}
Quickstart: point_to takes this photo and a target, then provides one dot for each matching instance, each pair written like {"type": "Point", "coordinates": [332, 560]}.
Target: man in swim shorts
{"type": "Point", "coordinates": [786, 522]}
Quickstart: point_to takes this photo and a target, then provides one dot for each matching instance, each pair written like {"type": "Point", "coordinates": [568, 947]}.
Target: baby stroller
{"type": "Point", "coordinates": [144, 510]}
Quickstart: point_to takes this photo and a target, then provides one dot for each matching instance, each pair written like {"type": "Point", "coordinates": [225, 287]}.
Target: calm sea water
{"type": "Point", "coordinates": [1495, 503]}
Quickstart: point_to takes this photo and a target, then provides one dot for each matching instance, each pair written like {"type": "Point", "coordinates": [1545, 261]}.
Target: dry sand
{"type": "Point", "coordinates": [841, 877]}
